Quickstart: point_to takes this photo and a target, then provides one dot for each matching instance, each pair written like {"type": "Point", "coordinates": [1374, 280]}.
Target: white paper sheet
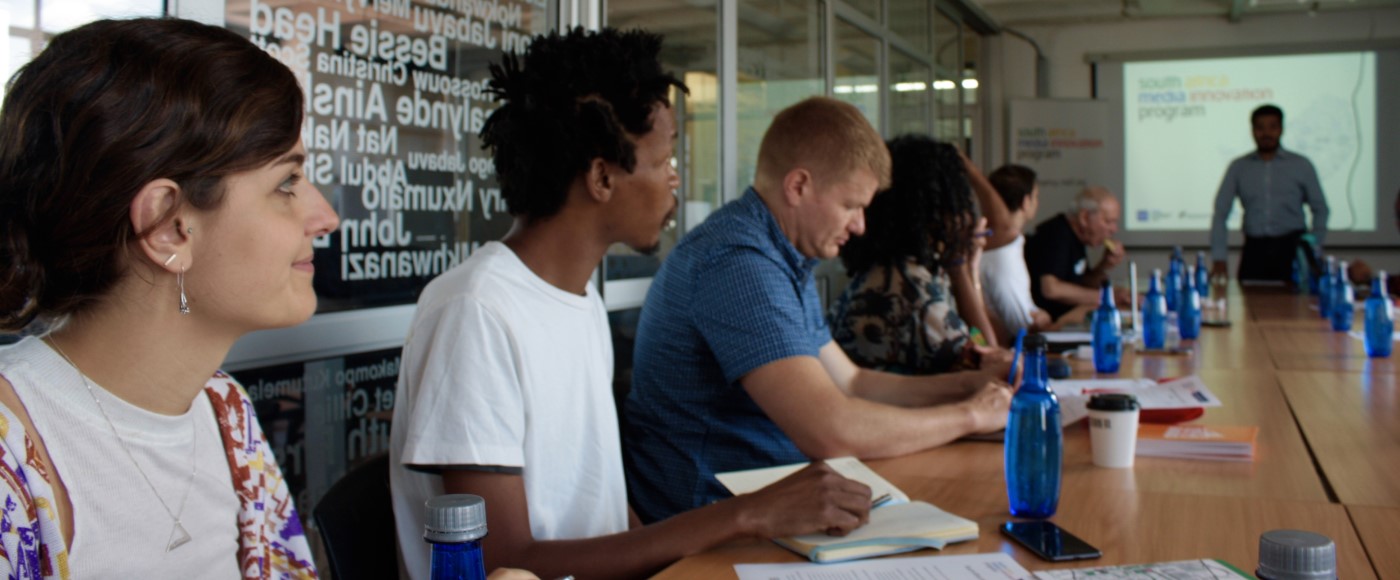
{"type": "Point", "coordinates": [1184, 393]}
{"type": "Point", "coordinates": [751, 480]}
{"type": "Point", "coordinates": [1182, 570]}
{"type": "Point", "coordinates": [964, 567]}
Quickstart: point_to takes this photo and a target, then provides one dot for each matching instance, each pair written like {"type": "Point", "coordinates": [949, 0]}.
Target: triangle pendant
{"type": "Point", "coordinates": [178, 537]}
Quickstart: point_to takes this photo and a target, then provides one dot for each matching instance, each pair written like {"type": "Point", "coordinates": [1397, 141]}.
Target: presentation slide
{"type": "Point", "coordinates": [1186, 120]}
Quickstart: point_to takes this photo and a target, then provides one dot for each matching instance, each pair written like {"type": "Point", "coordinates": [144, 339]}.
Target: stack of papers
{"type": "Point", "coordinates": [897, 525]}
{"type": "Point", "coordinates": [1197, 442]}
{"type": "Point", "coordinates": [1073, 394]}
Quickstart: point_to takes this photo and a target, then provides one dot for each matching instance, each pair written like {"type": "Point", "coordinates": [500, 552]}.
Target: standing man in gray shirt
{"type": "Point", "coordinates": [1272, 184]}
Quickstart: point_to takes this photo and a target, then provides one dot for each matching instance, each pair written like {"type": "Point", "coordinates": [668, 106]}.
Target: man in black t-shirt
{"type": "Point", "coordinates": [1057, 256]}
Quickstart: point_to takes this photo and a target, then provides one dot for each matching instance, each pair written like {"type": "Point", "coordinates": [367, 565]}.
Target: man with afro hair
{"type": "Point", "coordinates": [505, 390]}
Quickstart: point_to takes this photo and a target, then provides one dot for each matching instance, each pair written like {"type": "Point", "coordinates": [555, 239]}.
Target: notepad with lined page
{"type": "Point", "coordinates": [898, 525]}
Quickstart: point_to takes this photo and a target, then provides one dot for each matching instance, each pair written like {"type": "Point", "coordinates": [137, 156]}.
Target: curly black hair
{"type": "Point", "coordinates": [926, 214]}
{"type": "Point", "coordinates": [572, 98]}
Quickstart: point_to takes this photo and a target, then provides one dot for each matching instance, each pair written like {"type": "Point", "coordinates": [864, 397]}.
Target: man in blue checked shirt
{"type": "Point", "coordinates": [1273, 185]}
{"type": "Point", "coordinates": [735, 367]}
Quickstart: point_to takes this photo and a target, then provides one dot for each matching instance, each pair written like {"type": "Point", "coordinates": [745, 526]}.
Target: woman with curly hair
{"type": "Point", "coordinates": [914, 281]}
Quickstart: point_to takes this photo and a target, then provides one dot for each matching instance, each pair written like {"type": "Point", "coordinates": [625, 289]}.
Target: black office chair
{"type": "Point", "coordinates": [356, 519]}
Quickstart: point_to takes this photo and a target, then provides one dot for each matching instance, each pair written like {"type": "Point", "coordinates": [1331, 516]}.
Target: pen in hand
{"type": "Point", "coordinates": [882, 500]}
{"type": "Point", "coordinates": [1016, 355]}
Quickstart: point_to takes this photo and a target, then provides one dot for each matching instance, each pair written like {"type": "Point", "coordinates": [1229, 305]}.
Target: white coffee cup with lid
{"type": "Point", "coordinates": [1113, 425]}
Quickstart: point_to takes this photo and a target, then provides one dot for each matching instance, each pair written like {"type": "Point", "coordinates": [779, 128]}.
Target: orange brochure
{"type": "Point", "coordinates": [1212, 442]}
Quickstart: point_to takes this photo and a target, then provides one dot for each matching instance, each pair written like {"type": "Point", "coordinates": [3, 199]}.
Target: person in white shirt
{"type": "Point", "coordinates": [506, 387]}
{"type": "Point", "coordinates": [153, 210]}
{"type": "Point", "coordinates": [1009, 199]}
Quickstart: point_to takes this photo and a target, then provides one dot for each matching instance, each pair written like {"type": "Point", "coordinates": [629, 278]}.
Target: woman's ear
{"type": "Point", "coordinates": [164, 233]}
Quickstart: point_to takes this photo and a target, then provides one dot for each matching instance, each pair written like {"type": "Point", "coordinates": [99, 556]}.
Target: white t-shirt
{"type": "Point", "coordinates": [501, 368]}
{"type": "Point", "coordinates": [1006, 284]}
{"type": "Point", "coordinates": [120, 529]}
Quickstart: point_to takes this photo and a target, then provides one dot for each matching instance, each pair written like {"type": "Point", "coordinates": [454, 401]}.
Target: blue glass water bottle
{"type": "Point", "coordinates": [1202, 276]}
{"type": "Point", "coordinates": [1154, 315]}
{"type": "Point", "coordinates": [1188, 312]}
{"type": "Point", "coordinates": [1173, 279]}
{"type": "Point", "coordinates": [1343, 300]}
{"type": "Point", "coordinates": [456, 525]}
{"type": "Point", "coordinates": [1325, 288]}
{"type": "Point", "coordinates": [1034, 443]}
{"type": "Point", "coordinates": [1380, 319]}
{"type": "Point", "coordinates": [1107, 332]}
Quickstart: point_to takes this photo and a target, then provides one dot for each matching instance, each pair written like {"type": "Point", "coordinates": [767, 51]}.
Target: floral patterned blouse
{"type": "Point", "coordinates": [902, 320]}
{"type": "Point", "coordinates": [272, 543]}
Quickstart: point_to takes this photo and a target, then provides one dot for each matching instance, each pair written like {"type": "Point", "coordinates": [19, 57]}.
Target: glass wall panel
{"type": "Point", "coordinates": [16, 53]}
{"type": "Point", "coordinates": [780, 63]}
{"type": "Point", "coordinates": [948, 74]}
{"type": "Point", "coordinates": [59, 15]}
{"type": "Point", "coordinates": [971, 111]}
{"type": "Point", "coordinates": [870, 8]}
{"type": "Point", "coordinates": [858, 69]}
{"type": "Point", "coordinates": [21, 12]}
{"type": "Point", "coordinates": [392, 139]}
{"type": "Point", "coordinates": [28, 24]}
{"type": "Point", "coordinates": [911, 84]}
{"type": "Point", "coordinates": [690, 52]}
{"type": "Point", "coordinates": [910, 20]}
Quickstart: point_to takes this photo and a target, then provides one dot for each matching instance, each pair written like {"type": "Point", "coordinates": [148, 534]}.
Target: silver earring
{"type": "Point", "coordinates": [170, 259]}
{"type": "Point", "coordinates": [184, 302]}
{"type": "Point", "coordinates": [189, 230]}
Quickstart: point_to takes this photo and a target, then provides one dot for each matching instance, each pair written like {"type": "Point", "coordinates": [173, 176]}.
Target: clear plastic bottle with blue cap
{"type": "Point", "coordinates": [1380, 319]}
{"type": "Point", "coordinates": [1107, 332]}
{"type": "Point", "coordinates": [1343, 300]}
{"type": "Point", "coordinates": [456, 525]}
{"type": "Point", "coordinates": [1034, 443]}
{"type": "Point", "coordinates": [1154, 315]}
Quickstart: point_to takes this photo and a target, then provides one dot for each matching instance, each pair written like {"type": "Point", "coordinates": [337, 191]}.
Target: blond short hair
{"type": "Point", "coordinates": [829, 138]}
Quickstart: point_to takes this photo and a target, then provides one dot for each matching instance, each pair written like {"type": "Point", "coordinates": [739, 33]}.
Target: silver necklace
{"type": "Point", "coordinates": [178, 535]}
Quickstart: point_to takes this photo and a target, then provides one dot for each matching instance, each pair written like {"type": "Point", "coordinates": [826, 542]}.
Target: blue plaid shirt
{"type": "Point", "coordinates": [1273, 194]}
{"type": "Point", "coordinates": [732, 296]}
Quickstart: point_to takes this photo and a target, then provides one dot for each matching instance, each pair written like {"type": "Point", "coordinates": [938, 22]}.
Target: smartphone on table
{"type": "Point", "coordinates": [1049, 541]}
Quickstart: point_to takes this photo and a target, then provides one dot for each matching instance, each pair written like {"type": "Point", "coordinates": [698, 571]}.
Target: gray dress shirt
{"type": "Point", "coordinates": [1273, 193]}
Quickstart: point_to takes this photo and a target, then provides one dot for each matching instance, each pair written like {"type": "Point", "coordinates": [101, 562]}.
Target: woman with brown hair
{"type": "Point", "coordinates": [153, 210]}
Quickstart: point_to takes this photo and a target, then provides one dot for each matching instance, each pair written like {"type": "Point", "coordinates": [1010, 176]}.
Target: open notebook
{"type": "Point", "coordinates": [896, 525]}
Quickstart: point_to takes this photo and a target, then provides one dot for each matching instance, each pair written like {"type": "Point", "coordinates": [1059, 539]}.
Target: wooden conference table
{"type": "Point", "coordinates": [1327, 460]}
